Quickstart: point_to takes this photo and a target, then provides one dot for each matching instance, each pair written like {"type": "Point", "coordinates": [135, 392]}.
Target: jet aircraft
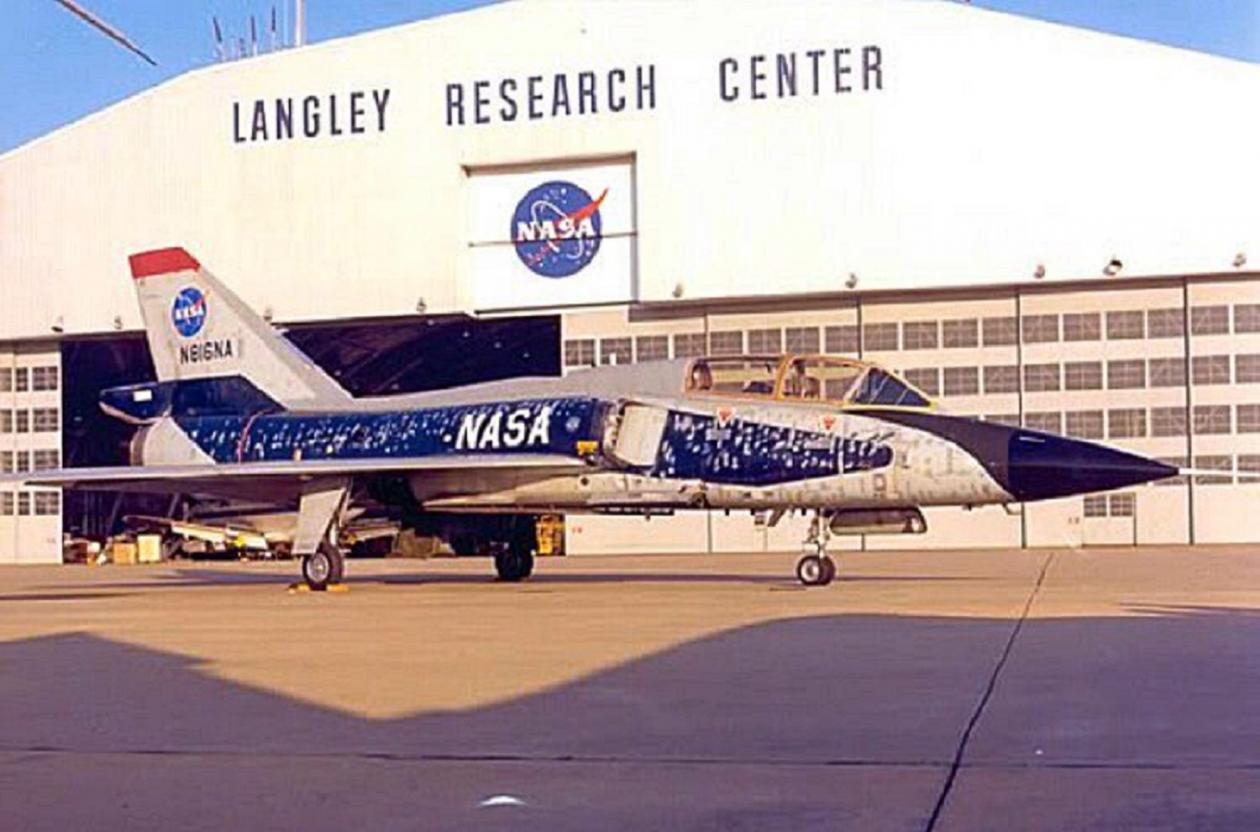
{"type": "Point", "coordinates": [239, 412]}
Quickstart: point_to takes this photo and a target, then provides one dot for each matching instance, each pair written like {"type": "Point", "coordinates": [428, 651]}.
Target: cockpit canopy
{"type": "Point", "coordinates": [846, 382]}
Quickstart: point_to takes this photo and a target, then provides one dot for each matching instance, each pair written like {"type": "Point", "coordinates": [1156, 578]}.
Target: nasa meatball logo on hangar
{"type": "Point", "coordinates": [556, 228]}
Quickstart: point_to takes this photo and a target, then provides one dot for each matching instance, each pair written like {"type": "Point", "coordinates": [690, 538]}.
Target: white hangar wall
{"type": "Point", "coordinates": [972, 147]}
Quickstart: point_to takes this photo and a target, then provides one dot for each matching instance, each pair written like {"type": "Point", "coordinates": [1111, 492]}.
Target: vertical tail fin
{"type": "Point", "coordinates": [198, 329]}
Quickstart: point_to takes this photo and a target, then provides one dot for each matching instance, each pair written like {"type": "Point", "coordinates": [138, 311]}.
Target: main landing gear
{"type": "Point", "coordinates": [816, 568]}
{"type": "Point", "coordinates": [325, 566]}
{"type": "Point", "coordinates": [514, 557]}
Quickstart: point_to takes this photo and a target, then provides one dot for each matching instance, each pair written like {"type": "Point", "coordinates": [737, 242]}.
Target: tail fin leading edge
{"type": "Point", "coordinates": [197, 328]}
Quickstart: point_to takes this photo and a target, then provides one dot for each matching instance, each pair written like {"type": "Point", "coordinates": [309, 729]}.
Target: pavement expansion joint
{"type": "Point", "coordinates": [948, 785]}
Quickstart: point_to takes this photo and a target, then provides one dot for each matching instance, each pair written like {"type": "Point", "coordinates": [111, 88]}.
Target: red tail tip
{"type": "Point", "coordinates": [162, 261]}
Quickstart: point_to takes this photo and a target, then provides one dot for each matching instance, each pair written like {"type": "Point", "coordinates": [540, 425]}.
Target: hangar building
{"type": "Point", "coordinates": [1039, 224]}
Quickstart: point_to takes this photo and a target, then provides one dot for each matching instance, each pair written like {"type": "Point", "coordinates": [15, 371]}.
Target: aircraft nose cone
{"type": "Point", "coordinates": [1041, 466]}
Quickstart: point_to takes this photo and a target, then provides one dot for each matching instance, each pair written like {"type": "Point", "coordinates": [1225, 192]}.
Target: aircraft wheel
{"type": "Point", "coordinates": [513, 565]}
{"type": "Point", "coordinates": [829, 570]}
{"type": "Point", "coordinates": [812, 571]}
{"type": "Point", "coordinates": [327, 565]}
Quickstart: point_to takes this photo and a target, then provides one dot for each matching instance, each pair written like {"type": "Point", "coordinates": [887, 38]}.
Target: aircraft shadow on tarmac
{"type": "Point", "coordinates": [828, 697]}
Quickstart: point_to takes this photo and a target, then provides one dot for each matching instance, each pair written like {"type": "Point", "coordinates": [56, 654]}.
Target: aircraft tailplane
{"type": "Point", "coordinates": [198, 329]}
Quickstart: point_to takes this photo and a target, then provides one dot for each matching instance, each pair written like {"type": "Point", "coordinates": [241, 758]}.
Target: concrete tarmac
{"type": "Point", "coordinates": [1040, 690]}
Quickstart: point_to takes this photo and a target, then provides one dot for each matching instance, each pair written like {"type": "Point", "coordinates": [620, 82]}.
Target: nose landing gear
{"type": "Point", "coordinates": [816, 568]}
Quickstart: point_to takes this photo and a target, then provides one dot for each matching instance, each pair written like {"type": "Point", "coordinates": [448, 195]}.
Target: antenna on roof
{"type": "Point", "coordinates": [219, 50]}
{"type": "Point", "coordinates": [103, 27]}
{"type": "Point", "coordinates": [253, 36]}
{"type": "Point", "coordinates": [299, 22]}
{"type": "Point", "coordinates": [272, 42]}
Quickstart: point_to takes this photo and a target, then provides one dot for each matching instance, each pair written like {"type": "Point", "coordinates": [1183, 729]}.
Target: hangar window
{"type": "Point", "coordinates": [1168, 421]}
{"type": "Point", "coordinates": [801, 339]}
{"type": "Point", "coordinates": [1082, 326]}
{"type": "Point", "coordinates": [1096, 506]}
{"type": "Point", "coordinates": [1126, 423]}
{"type": "Point", "coordinates": [1176, 462]}
{"type": "Point", "coordinates": [927, 379]}
{"type": "Point", "coordinates": [730, 342]}
{"type": "Point", "coordinates": [23, 503]}
{"type": "Point", "coordinates": [1249, 463]}
{"type": "Point", "coordinates": [920, 335]}
{"type": "Point", "coordinates": [962, 381]}
{"type": "Point", "coordinates": [1048, 421]}
{"type": "Point", "coordinates": [842, 339]}
{"type": "Point", "coordinates": [960, 333]}
{"type": "Point", "coordinates": [998, 332]}
{"type": "Point", "coordinates": [6, 380]}
{"type": "Point", "coordinates": [651, 347]}
{"type": "Point", "coordinates": [1168, 372]}
{"type": "Point", "coordinates": [21, 379]}
{"type": "Point", "coordinates": [1040, 329]}
{"type": "Point", "coordinates": [22, 463]}
{"type": "Point", "coordinates": [1247, 317]}
{"type": "Point", "coordinates": [1126, 375]}
{"type": "Point", "coordinates": [1082, 375]}
{"type": "Point", "coordinates": [690, 344]}
{"type": "Point", "coordinates": [44, 378]}
{"type": "Point", "coordinates": [1126, 325]}
{"type": "Point", "coordinates": [739, 376]}
{"type": "Point", "coordinates": [1209, 320]}
{"type": "Point", "coordinates": [579, 352]}
{"type": "Point", "coordinates": [6, 421]}
{"type": "Point", "coordinates": [1008, 419]}
{"type": "Point", "coordinates": [879, 337]}
{"type": "Point", "coordinates": [1210, 369]}
{"type": "Point", "coordinates": [1121, 505]}
{"type": "Point", "coordinates": [1249, 418]}
{"type": "Point", "coordinates": [1040, 378]}
{"type": "Point", "coordinates": [615, 351]}
{"type": "Point", "coordinates": [6, 462]}
{"type": "Point", "coordinates": [1215, 462]}
{"type": "Point", "coordinates": [1247, 368]}
{"type": "Point", "coordinates": [48, 459]}
{"type": "Point", "coordinates": [8, 505]}
{"type": "Point", "coordinates": [45, 419]}
{"type": "Point", "coordinates": [1001, 378]}
{"type": "Point", "coordinates": [765, 341]}
{"type": "Point", "coordinates": [1085, 424]}
{"type": "Point", "coordinates": [1165, 323]}
{"type": "Point", "coordinates": [1211, 418]}
{"type": "Point", "coordinates": [22, 421]}
{"type": "Point", "coordinates": [47, 502]}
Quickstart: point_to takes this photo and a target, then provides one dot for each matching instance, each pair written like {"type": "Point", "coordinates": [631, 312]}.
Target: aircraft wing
{"type": "Point", "coordinates": [277, 479]}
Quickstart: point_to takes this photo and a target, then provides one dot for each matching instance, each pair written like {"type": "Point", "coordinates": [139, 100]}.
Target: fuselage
{"type": "Point", "coordinates": [648, 443]}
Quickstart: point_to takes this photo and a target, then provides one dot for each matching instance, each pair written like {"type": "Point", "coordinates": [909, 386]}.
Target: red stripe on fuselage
{"type": "Point", "coordinates": [161, 261]}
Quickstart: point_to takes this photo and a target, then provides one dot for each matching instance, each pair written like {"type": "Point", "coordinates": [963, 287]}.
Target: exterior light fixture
{"type": "Point", "coordinates": [421, 306]}
{"type": "Point", "coordinates": [118, 322]}
{"type": "Point", "coordinates": [268, 314]}
{"type": "Point", "coordinates": [1040, 271]}
{"type": "Point", "coordinates": [1240, 259]}
{"type": "Point", "coordinates": [1113, 268]}
{"type": "Point", "coordinates": [58, 325]}
{"type": "Point", "coordinates": [678, 289]}
{"type": "Point", "coordinates": [851, 281]}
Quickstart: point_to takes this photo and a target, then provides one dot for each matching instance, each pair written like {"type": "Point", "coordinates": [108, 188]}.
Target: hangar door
{"type": "Point", "coordinates": [552, 235]}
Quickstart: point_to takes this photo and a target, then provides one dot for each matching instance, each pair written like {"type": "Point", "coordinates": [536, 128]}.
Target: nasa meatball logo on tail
{"type": "Point", "coordinates": [188, 313]}
{"type": "Point", "coordinates": [556, 229]}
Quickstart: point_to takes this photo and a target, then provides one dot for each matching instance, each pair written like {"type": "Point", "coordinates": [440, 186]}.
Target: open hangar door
{"type": "Point", "coordinates": [367, 358]}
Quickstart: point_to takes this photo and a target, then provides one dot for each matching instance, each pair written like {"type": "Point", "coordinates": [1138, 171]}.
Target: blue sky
{"type": "Point", "coordinates": [54, 69]}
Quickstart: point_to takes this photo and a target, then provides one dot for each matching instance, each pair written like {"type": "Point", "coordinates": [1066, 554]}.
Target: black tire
{"type": "Point", "coordinates": [811, 571]}
{"type": "Point", "coordinates": [829, 570]}
{"type": "Point", "coordinates": [514, 560]}
{"type": "Point", "coordinates": [325, 567]}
